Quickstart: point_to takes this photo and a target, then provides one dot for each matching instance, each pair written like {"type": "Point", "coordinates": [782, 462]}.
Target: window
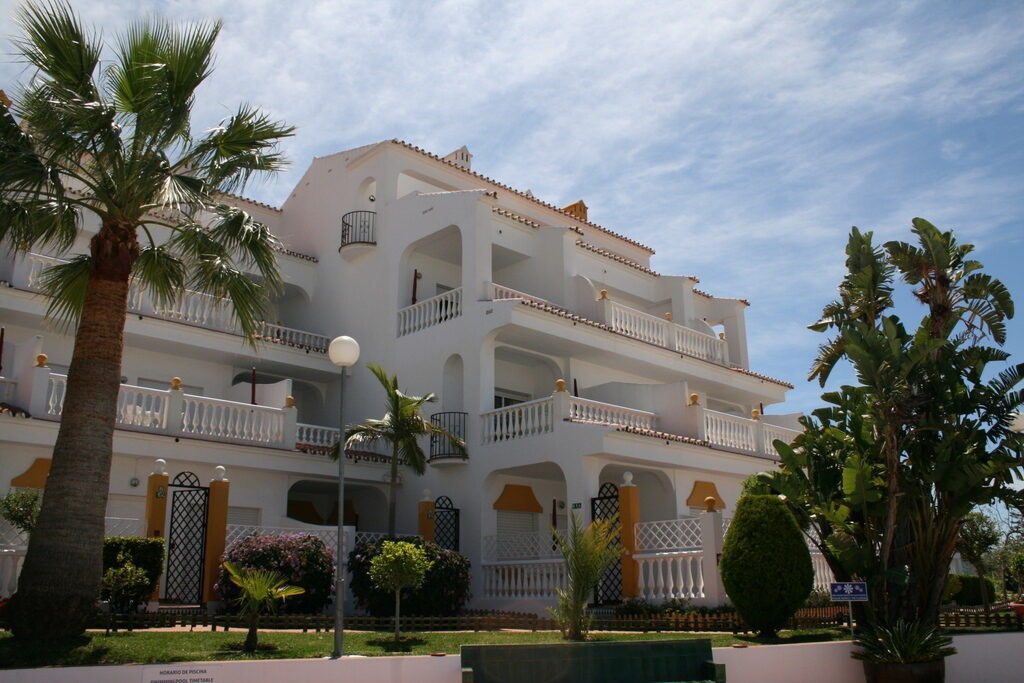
{"type": "Point", "coordinates": [517, 535]}
{"type": "Point", "coordinates": [504, 398]}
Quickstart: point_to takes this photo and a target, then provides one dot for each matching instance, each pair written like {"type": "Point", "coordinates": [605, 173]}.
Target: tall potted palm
{"type": "Point", "coordinates": [114, 147]}
{"type": "Point", "coordinates": [400, 428]}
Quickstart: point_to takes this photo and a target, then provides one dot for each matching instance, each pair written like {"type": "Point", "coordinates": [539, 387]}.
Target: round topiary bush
{"type": "Point", "coordinates": [444, 591]}
{"type": "Point", "coordinates": [766, 567]}
{"type": "Point", "coordinates": [302, 559]}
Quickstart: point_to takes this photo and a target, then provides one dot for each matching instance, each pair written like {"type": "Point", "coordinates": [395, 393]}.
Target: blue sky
{"type": "Point", "coordinates": [740, 140]}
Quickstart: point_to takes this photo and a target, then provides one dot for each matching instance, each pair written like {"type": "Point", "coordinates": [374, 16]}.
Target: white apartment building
{"type": "Point", "coordinates": [568, 365]}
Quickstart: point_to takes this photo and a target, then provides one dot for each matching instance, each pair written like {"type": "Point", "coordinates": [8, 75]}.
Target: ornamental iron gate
{"type": "Point", "coordinates": [446, 523]}
{"type": "Point", "coordinates": [186, 540]}
{"type": "Point", "coordinates": [609, 589]}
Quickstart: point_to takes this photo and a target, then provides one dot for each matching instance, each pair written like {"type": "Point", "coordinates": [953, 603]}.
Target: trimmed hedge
{"type": "Point", "coordinates": [145, 553]}
{"type": "Point", "coordinates": [444, 591]}
{"type": "Point", "coordinates": [766, 567]}
{"type": "Point", "coordinates": [302, 559]}
{"type": "Point", "coordinates": [970, 589]}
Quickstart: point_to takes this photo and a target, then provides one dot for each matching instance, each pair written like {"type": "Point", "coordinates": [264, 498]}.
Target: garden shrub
{"type": "Point", "coordinates": [20, 507]}
{"type": "Point", "coordinates": [443, 593]}
{"type": "Point", "coordinates": [819, 597]}
{"type": "Point", "coordinates": [146, 554]}
{"type": "Point", "coordinates": [301, 559]}
{"type": "Point", "coordinates": [970, 589]}
{"type": "Point", "coordinates": [125, 586]}
{"type": "Point", "coordinates": [766, 567]}
{"type": "Point", "coordinates": [637, 607]}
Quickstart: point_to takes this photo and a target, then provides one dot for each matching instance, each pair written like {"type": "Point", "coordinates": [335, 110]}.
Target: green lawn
{"type": "Point", "coordinates": [150, 647]}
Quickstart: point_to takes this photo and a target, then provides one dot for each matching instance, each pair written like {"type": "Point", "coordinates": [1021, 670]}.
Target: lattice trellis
{"type": "Point", "coordinates": [605, 505]}
{"type": "Point", "coordinates": [531, 546]}
{"type": "Point", "coordinates": [669, 534]}
{"type": "Point", "coordinates": [446, 523]}
{"type": "Point", "coordinates": [186, 540]}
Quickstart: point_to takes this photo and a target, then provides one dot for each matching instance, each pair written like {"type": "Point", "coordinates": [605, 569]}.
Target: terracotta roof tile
{"type": "Point", "coordinates": [530, 197]}
{"type": "Point", "coordinates": [615, 257]}
{"type": "Point", "coordinates": [251, 201]}
{"type": "Point", "coordinates": [701, 292]}
{"type": "Point", "coordinates": [760, 376]}
{"type": "Point", "coordinates": [514, 216]}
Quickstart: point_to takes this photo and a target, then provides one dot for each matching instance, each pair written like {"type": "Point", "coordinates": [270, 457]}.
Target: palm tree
{"type": "Point", "coordinates": [401, 427]}
{"type": "Point", "coordinates": [115, 145]}
{"type": "Point", "coordinates": [261, 591]}
{"type": "Point", "coordinates": [588, 551]}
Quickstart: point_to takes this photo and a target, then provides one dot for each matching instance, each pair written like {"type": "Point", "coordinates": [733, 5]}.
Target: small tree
{"type": "Point", "coordinates": [978, 535]}
{"type": "Point", "coordinates": [766, 567]}
{"type": "Point", "coordinates": [1017, 571]}
{"type": "Point", "coordinates": [398, 566]}
{"type": "Point", "coordinates": [589, 552]}
{"type": "Point", "coordinates": [262, 590]}
{"type": "Point", "coordinates": [20, 507]}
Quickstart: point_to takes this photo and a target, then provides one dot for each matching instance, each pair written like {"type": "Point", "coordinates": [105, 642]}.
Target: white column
{"type": "Point", "coordinates": [711, 539]}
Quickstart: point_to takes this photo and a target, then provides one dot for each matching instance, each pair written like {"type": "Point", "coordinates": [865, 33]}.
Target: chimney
{"type": "Point", "coordinates": [577, 209]}
{"type": "Point", "coordinates": [461, 158]}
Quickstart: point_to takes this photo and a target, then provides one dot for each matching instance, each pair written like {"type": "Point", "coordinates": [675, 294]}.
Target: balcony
{"type": "Point", "coordinates": [358, 233]}
{"type": "Point", "coordinates": [191, 308]}
{"type": "Point", "coordinates": [633, 323]}
{"type": "Point", "coordinates": [430, 312]}
{"type": "Point", "coordinates": [700, 425]}
{"type": "Point", "coordinates": [441, 449]}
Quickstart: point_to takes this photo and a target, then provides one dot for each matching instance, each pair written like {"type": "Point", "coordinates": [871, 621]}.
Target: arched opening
{"type": "Point", "coordinates": [518, 508]}
{"type": "Point", "coordinates": [412, 181]}
{"type": "Point", "coordinates": [657, 495]}
{"type": "Point", "coordinates": [316, 502]}
{"type": "Point", "coordinates": [521, 375]}
{"type": "Point", "coordinates": [431, 267]}
{"type": "Point", "coordinates": [452, 383]}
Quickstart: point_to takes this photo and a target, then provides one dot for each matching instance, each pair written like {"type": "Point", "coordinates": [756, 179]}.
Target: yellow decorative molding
{"type": "Point", "coordinates": [289, 401]}
{"type": "Point", "coordinates": [710, 503]}
{"type": "Point", "coordinates": [604, 295]}
{"type": "Point", "coordinates": [668, 317]}
{"type": "Point", "coordinates": [176, 383]}
{"type": "Point", "coordinates": [518, 498]}
{"type": "Point", "coordinates": [755, 414]}
{"type": "Point", "coordinates": [41, 360]}
{"type": "Point", "coordinates": [35, 476]}
{"type": "Point", "coordinates": [694, 400]}
{"type": "Point", "coordinates": [721, 335]}
{"type": "Point", "coordinates": [702, 490]}
{"type": "Point", "coordinates": [559, 385]}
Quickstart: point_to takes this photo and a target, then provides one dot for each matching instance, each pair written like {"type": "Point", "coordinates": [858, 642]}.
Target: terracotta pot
{"type": "Point", "coordinates": [918, 672]}
{"type": "Point", "coordinates": [1018, 608]}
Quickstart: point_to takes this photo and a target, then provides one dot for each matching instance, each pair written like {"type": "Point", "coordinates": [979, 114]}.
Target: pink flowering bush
{"type": "Point", "coordinates": [302, 559]}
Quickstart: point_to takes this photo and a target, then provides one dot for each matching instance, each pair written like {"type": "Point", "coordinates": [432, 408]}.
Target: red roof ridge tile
{"type": "Point", "coordinates": [615, 257]}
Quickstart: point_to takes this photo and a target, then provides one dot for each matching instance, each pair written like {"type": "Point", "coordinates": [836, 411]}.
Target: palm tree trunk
{"type": "Point", "coordinates": [398, 605]}
{"type": "Point", "coordinates": [56, 596]}
{"type": "Point", "coordinates": [251, 638]}
{"type": "Point", "coordinates": [392, 491]}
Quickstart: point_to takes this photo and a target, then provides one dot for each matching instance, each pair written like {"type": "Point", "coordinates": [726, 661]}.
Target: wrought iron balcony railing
{"type": "Point", "coordinates": [357, 227]}
{"type": "Point", "coordinates": [440, 447]}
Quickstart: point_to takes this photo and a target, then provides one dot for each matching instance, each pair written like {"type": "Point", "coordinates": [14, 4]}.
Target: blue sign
{"type": "Point", "coordinates": [849, 591]}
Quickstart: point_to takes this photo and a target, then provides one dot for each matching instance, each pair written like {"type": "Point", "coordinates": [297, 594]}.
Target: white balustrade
{"type": "Point", "coordinates": [139, 407]}
{"type": "Point", "coordinates": [519, 420]}
{"type": "Point", "coordinates": [317, 436]}
{"type": "Point", "coordinates": [661, 332]}
{"type": "Point", "coordinates": [773, 433]}
{"type": "Point", "coordinates": [669, 534]}
{"type": "Point", "coordinates": [503, 293]}
{"type": "Point", "coordinates": [430, 312]}
{"type": "Point", "coordinates": [220, 420]}
{"type": "Point", "coordinates": [822, 573]}
{"type": "Point", "coordinates": [8, 388]}
{"type": "Point", "coordinates": [586, 410]}
{"type": "Point", "coordinates": [529, 546]}
{"type": "Point", "coordinates": [11, 560]}
{"type": "Point", "coordinates": [289, 336]}
{"type": "Point", "coordinates": [665, 576]}
{"type": "Point", "coordinates": [193, 308]}
{"type": "Point", "coordinates": [730, 431]}
{"type": "Point", "coordinates": [524, 579]}
{"type": "Point", "coordinates": [123, 526]}
{"type": "Point", "coordinates": [55, 394]}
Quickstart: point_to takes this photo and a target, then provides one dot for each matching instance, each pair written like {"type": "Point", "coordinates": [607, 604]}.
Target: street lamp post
{"type": "Point", "coordinates": [343, 352]}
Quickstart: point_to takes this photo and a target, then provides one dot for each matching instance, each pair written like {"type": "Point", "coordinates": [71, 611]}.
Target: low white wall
{"type": "Point", "coordinates": [991, 658]}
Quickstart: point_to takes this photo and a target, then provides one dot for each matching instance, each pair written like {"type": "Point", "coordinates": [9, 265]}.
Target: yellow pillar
{"type": "Point", "coordinates": [425, 518]}
{"type": "Point", "coordinates": [216, 532]}
{"type": "Point", "coordinates": [156, 507]}
{"type": "Point", "coordinates": [629, 515]}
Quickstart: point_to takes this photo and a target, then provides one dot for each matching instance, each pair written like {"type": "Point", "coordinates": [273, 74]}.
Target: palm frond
{"type": "Point", "coordinates": [161, 273]}
{"type": "Point", "coordinates": [65, 285]}
{"type": "Point", "coordinates": [58, 45]}
{"type": "Point", "coordinates": [218, 277]}
{"type": "Point", "coordinates": [249, 241]}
